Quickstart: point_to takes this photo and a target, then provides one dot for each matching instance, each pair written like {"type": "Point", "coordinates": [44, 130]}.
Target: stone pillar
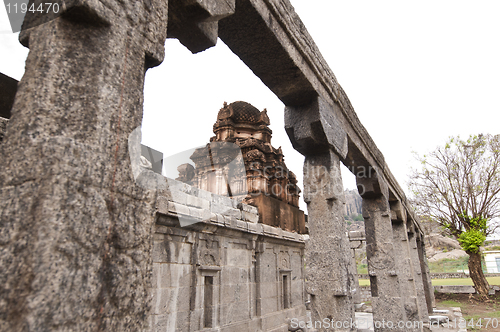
{"type": "Point", "coordinates": [387, 302]}
{"type": "Point", "coordinates": [328, 257]}
{"type": "Point", "coordinates": [426, 275]}
{"type": "Point", "coordinates": [356, 239]}
{"type": "Point", "coordinates": [354, 282]}
{"type": "Point", "coordinates": [315, 132]}
{"type": "Point", "coordinates": [405, 274]}
{"type": "Point", "coordinates": [417, 275]}
{"type": "Point", "coordinates": [75, 229]}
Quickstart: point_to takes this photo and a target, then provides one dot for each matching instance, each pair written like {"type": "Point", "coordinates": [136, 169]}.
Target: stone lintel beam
{"type": "Point", "coordinates": [272, 41]}
{"type": "Point", "coordinates": [412, 225]}
{"type": "Point", "coordinates": [195, 22]}
{"type": "Point", "coordinates": [314, 128]}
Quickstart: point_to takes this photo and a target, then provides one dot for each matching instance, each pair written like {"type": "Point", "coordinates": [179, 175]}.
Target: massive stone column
{"type": "Point", "coordinates": [387, 301]}
{"type": "Point", "coordinates": [328, 257]}
{"type": "Point", "coordinates": [417, 269]}
{"type": "Point", "coordinates": [74, 227]}
{"type": "Point", "coordinates": [404, 266]}
{"type": "Point", "coordinates": [426, 275]}
{"type": "Point", "coordinates": [315, 132]}
{"type": "Point", "coordinates": [356, 239]}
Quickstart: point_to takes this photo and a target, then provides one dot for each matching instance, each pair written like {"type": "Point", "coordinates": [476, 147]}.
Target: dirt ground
{"type": "Point", "coordinates": [475, 311]}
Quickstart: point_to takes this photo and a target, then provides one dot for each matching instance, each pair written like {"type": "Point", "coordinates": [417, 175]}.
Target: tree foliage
{"type": "Point", "coordinates": [458, 185]}
{"type": "Point", "coordinates": [474, 237]}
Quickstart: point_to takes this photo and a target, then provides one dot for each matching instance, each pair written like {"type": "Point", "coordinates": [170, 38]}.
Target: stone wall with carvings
{"type": "Point", "coordinates": [224, 270]}
{"type": "Point", "coordinates": [240, 162]}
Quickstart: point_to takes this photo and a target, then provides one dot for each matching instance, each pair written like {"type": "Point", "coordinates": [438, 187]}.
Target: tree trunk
{"type": "Point", "coordinates": [477, 275]}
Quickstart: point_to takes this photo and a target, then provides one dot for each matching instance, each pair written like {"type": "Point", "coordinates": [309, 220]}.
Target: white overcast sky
{"type": "Point", "coordinates": [416, 73]}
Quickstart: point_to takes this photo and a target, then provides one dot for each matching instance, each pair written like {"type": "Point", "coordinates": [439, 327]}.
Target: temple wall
{"type": "Point", "coordinates": [280, 214]}
{"type": "Point", "coordinates": [223, 272]}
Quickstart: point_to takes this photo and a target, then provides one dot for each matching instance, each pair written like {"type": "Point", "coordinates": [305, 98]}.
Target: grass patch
{"type": "Point", "coordinates": [448, 282]}
{"type": "Point", "coordinates": [362, 269]}
{"type": "Point", "coordinates": [463, 281]}
{"type": "Point", "coordinates": [449, 265]}
{"type": "Point", "coordinates": [475, 310]}
{"type": "Point", "coordinates": [364, 282]}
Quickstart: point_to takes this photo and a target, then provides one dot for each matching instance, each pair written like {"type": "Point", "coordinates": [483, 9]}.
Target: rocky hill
{"type": "Point", "coordinates": [352, 203]}
{"type": "Point", "coordinates": [439, 245]}
{"type": "Point", "coordinates": [352, 211]}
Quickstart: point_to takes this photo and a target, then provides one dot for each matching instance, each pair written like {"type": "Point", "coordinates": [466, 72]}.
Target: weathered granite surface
{"type": "Point", "coordinates": [3, 127]}
{"type": "Point", "coordinates": [223, 272]}
{"type": "Point", "coordinates": [74, 227]}
{"type": "Point", "coordinates": [387, 297]}
{"type": "Point", "coordinates": [426, 275]}
{"type": "Point", "coordinates": [328, 254]}
{"type": "Point", "coordinates": [417, 268]}
{"type": "Point", "coordinates": [405, 272]}
{"type": "Point", "coordinates": [314, 132]}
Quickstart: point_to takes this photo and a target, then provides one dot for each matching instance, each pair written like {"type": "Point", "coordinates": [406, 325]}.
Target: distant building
{"type": "Point", "coordinates": [263, 181]}
{"type": "Point", "coordinates": [235, 267]}
{"type": "Point", "coordinates": [492, 260]}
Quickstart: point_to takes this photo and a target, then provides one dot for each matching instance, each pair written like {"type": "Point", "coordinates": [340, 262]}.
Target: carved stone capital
{"type": "Point", "coordinates": [195, 22]}
{"type": "Point", "coordinates": [398, 212]}
{"type": "Point", "coordinates": [145, 21]}
{"type": "Point", "coordinates": [314, 128]}
{"type": "Point", "coordinates": [372, 185]}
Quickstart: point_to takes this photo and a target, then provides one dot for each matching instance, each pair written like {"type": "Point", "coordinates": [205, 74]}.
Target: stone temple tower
{"type": "Point", "coordinates": [263, 180]}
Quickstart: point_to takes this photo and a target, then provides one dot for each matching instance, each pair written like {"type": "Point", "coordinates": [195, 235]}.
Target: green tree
{"type": "Point", "coordinates": [458, 186]}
